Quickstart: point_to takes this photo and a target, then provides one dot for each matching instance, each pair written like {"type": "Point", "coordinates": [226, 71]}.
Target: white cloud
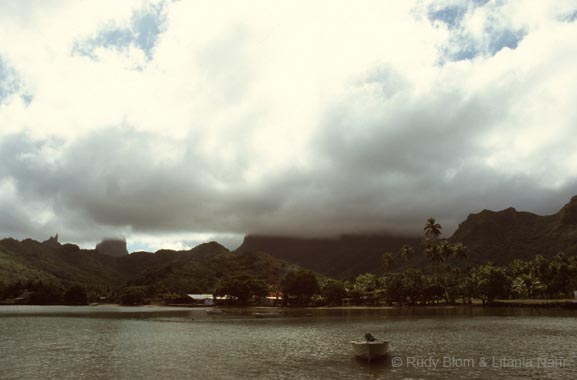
{"type": "Point", "coordinates": [164, 120]}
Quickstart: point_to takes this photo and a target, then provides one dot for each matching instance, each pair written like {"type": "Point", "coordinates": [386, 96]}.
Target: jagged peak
{"type": "Point", "coordinates": [52, 241]}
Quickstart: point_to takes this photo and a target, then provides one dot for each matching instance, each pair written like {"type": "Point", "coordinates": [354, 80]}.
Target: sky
{"type": "Point", "coordinates": [170, 123]}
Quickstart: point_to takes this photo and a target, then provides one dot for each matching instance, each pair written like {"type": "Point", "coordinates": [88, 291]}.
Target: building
{"type": "Point", "coordinates": [208, 299]}
{"type": "Point", "coordinates": [205, 299]}
{"type": "Point", "coordinates": [273, 299]}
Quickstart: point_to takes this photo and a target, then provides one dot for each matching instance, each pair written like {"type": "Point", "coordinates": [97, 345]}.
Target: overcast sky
{"type": "Point", "coordinates": [174, 122]}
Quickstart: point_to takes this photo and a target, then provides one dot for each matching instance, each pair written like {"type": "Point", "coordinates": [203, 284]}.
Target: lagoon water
{"type": "Point", "coordinates": [56, 342]}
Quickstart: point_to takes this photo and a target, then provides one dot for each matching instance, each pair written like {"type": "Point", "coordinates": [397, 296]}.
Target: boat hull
{"type": "Point", "coordinates": [370, 350]}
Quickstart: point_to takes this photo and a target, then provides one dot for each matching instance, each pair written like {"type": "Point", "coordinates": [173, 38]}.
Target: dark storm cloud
{"type": "Point", "coordinates": [244, 124]}
{"type": "Point", "coordinates": [374, 168]}
{"type": "Point", "coordinates": [394, 162]}
{"type": "Point", "coordinates": [112, 178]}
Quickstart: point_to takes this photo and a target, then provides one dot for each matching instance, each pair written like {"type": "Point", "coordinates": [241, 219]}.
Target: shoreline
{"type": "Point", "coordinates": [537, 304]}
{"type": "Point", "coordinates": [524, 303]}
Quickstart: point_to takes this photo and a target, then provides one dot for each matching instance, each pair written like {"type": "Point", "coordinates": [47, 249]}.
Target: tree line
{"type": "Point", "coordinates": [450, 278]}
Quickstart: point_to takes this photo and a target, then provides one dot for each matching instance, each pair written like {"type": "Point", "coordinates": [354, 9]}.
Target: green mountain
{"type": "Point", "coordinates": [342, 257]}
{"type": "Point", "coordinates": [195, 270]}
{"type": "Point", "coordinates": [490, 236]}
{"type": "Point", "coordinates": [12, 270]}
{"type": "Point", "coordinates": [66, 263]}
{"type": "Point", "coordinates": [196, 273]}
{"type": "Point", "coordinates": [510, 234]}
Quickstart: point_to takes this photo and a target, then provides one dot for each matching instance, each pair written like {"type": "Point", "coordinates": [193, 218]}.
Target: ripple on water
{"type": "Point", "coordinates": [158, 343]}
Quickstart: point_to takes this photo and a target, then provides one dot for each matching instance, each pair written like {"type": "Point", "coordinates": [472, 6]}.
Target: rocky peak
{"type": "Point", "coordinates": [112, 247]}
{"type": "Point", "coordinates": [52, 242]}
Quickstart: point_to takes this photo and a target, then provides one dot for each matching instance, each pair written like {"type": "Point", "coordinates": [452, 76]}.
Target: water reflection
{"type": "Point", "coordinates": [162, 343]}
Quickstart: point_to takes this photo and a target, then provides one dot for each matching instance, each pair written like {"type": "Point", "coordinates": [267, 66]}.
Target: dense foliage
{"type": "Point", "coordinates": [299, 287]}
{"type": "Point", "coordinates": [242, 288]}
{"type": "Point", "coordinates": [37, 273]}
{"type": "Point", "coordinates": [34, 273]}
{"type": "Point", "coordinates": [539, 278]}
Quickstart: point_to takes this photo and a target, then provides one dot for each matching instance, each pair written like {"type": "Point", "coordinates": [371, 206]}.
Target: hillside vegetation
{"type": "Point", "coordinates": [491, 236]}
{"type": "Point", "coordinates": [509, 234]}
{"type": "Point", "coordinates": [508, 254]}
{"type": "Point", "coordinates": [29, 265]}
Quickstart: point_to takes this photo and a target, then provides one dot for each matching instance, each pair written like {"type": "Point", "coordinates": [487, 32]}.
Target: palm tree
{"type": "Point", "coordinates": [432, 229]}
{"type": "Point", "coordinates": [407, 253]}
{"type": "Point", "coordinates": [433, 252]}
{"type": "Point", "coordinates": [388, 261]}
{"type": "Point", "coordinates": [460, 251]}
{"type": "Point", "coordinates": [445, 249]}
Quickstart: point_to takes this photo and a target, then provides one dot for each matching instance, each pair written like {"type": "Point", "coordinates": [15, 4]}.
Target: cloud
{"type": "Point", "coordinates": [173, 122]}
{"type": "Point", "coordinates": [141, 33]}
{"type": "Point", "coordinates": [476, 28]}
{"type": "Point", "coordinates": [9, 81]}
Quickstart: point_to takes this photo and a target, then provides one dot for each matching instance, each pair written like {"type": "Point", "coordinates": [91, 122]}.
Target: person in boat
{"type": "Point", "coordinates": [369, 337]}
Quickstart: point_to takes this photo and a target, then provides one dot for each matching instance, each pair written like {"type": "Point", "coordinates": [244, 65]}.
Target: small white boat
{"type": "Point", "coordinates": [370, 350]}
{"type": "Point", "coordinates": [215, 311]}
{"type": "Point", "coordinates": [268, 315]}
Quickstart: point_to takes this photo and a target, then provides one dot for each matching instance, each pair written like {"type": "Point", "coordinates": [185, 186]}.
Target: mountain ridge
{"type": "Point", "coordinates": [497, 236]}
{"type": "Point", "coordinates": [342, 256]}
{"type": "Point", "coordinates": [501, 236]}
{"type": "Point", "coordinates": [196, 270]}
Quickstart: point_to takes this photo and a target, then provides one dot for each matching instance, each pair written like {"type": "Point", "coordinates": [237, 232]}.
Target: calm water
{"type": "Point", "coordinates": [165, 343]}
